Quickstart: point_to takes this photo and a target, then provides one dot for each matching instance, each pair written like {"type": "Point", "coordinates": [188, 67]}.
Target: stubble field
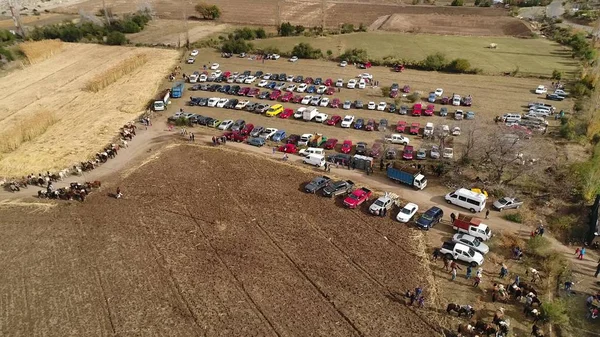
{"type": "Point", "coordinates": [239, 254]}
{"type": "Point", "coordinates": [79, 122]}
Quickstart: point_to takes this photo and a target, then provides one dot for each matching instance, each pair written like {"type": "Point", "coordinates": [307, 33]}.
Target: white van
{"type": "Point", "coordinates": [312, 150]}
{"type": "Point", "coordinates": [473, 201]}
{"type": "Point", "coordinates": [511, 118]}
{"type": "Point", "coordinates": [315, 159]}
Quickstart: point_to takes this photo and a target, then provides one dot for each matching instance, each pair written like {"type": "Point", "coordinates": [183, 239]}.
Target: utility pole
{"type": "Point", "coordinates": [278, 14]}
{"type": "Point", "coordinates": [105, 12]}
{"type": "Point", "coordinates": [15, 13]}
{"type": "Point", "coordinates": [323, 9]}
{"type": "Point", "coordinates": [187, 29]}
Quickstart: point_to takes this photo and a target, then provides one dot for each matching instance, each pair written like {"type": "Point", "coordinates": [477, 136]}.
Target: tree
{"type": "Point", "coordinates": [244, 34]}
{"type": "Point", "coordinates": [236, 46]}
{"type": "Point", "coordinates": [457, 3]}
{"type": "Point", "coordinates": [354, 55]}
{"type": "Point", "coordinates": [260, 33]}
{"type": "Point", "coordinates": [299, 29]}
{"type": "Point", "coordinates": [285, 29]}
{"type": "Point", "coordinates": [459, 66]}
{"type": "Point", "coordinates": [209, 12]}
{"type": "Point", "coordinates": [306, 51]}
{"type": "Point", "coordinates": [435, 62]}
{"type": "Point", "coordinates": [115, 38]}
{"type": "Point", "coordinates": [556, 74]}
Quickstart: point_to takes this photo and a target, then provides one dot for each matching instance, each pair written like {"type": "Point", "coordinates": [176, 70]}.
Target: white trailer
{"type": "Point", "coordinates": [310, 113]}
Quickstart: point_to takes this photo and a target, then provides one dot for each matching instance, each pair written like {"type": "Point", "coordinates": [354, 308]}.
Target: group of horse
{"type": "Point", "coordinates": [75, 191]}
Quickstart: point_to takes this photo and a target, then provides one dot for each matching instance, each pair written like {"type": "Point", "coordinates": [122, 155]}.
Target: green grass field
{"type": "Point", "coordinates": [532, 56]}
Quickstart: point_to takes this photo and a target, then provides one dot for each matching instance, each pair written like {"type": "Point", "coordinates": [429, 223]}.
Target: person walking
{"type": "Point", "coordinates": [454, 271]}
{"type": "Point", "coordinates": [119, 194]}
{"type": "Point", "coordinates": [436, 255]}
{"type": "Point", "coordinates": [446, 263]}
{"type": "Point", "coordinates": [503, 271]}
{"type": "Point", "coordinates": [581, 253]}
{"type": "Point", "coordinates": [274, 149]}
{"type": "Point", "coordinates": [469, 271]}
{"type": "Point", "coordinates": [418, 292]}
{"type": "Point", "coordinates": [487, 213]}
{"type": "Point", "coordinates": [452, 217]}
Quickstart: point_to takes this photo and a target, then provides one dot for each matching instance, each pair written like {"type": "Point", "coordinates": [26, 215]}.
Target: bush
{"type": "Point", "coordinates": [6, 36]}
{"type": "Point", "coordinates": [299, 29]}
{"type": "Point", "coordinates": [362, 27]}
{"type": "Point", "coordinates": [554, 312]}
{"type": "Point", "coordinates": [244, 34]}
{"type": "Point", "coordinates": [435, 62]}
{"type": "Point", "coordinates": [260, 33]}
{"type": "Point", "coordinates": [414, 97]}
{"type": "Point", "coordinates": [286, 29]}
{"type": "Point", "coordinates": [116, 39]}
{"type": "Point", "coordinates": [457, 3]}
{"type": "Point", "coordinates": [459, 66]}
{"type": "Point", "coordinates": [514, 217]}
{"type": "Point", "coordinates": [385, 91]}
{"type": "Point", "coordinates": [210, 12]}
{"type": "Point", "coordinates": [347, 28]}
{"type": "Point", "coordinates": [567, 129]}
{"type": "Point", "coordinates": [354, 55]}
{"type": "Point", "coordinates": [556, 74]}
{"type": "Point", "coordinates": [580, 90]}
{"type": "Point", "coordinates": [538, 245]}
{"type": "Point", "coordinates": [7, 54]}
{"type": "Point", "coordinates": [236, 46]}
{"type": "Point", "coordinates": [306, 51]}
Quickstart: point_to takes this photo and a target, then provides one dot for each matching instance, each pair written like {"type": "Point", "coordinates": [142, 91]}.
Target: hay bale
{"type": "Point", "coordinates": [114, 73]}
{"type": "Point", "coordinates": [26, 130]}
{"type": "Point", "coordinates": [37, 51]}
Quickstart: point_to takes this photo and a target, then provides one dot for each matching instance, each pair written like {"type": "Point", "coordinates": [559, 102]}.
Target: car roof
{"type": "Point", "coordinates": [410, 204]}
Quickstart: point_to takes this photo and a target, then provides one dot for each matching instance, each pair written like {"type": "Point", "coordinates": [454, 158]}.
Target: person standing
{"type": "Point", "coordinates": [436, 255]}
{"type": "Point", "coordinates": [487, 213]}
{"type": "Point", "coordinates": [581, 253]}
{"type": "Point", "coordinates": [452, 217]}
{"type": "Point", "coordinates": [446, 263]}
{"type": "Point", "coordinates": [469, 272]}
{"type": "Point", "coordinates": [597, 269]}
{"type": "Point", "coordinates": [503, 271]}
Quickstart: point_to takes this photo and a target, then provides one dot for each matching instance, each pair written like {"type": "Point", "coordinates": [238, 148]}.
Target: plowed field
{"type": "Point", "coordinates": [210, 242]}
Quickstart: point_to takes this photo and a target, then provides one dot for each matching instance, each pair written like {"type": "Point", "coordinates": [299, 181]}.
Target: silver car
{"type": "Point", "coordinates": [472, 242]}
{"type": "Point", "coordinates": [507, 203]}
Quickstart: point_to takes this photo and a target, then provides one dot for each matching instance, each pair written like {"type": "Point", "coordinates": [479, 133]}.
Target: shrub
{"type": "Point", "coordinates": [236, 46]}
{"type": "Point", "coordinates": [347, 28]}
{"type": "Point", "coordinates": [6, 36]}
{"type": "Point", "coordinates": [538, 245]}
{"type": "Point", "coordinates": [435, 61]}
{"type": "Point", "coordinates": [554, 312]}
{"type": "Point", "coordinates": [556, 74]}
{"type": "Point", "coordinates": [362, 27]}
{"type": "Point", "coordinates": [457, 3]}
{"type": "Point", "coordinates": [7, 54]}
{"type": "Point", "coordinates": [415, 96]}
{"type": "Point", "coordinates": [459, 66]}
{"type": "Point", "coordinates": [580, 90]}
{"type": "Point", "coordinates": [210, 12]}
{"type": "Point", "coordinates": [385, 91]}
{"type": "Point", "coordinates": [354, 55]}
{"type": "Point", "coordinates": [116, 39]}
{"type": "Point", "coordinates": [306, 51]}
{"type": "Point", "coordinates": [285, 29]}
{"type": "Point", "coordinates": [260, 33]}
{"type": "Point", "coordinates": [299, 29]}
{"type": "Point", "coordinates": [567, 129]}
{"type": "Point", "coordinates": [514, 217]}
{"type": "Point", "coordinates": [244, 34]}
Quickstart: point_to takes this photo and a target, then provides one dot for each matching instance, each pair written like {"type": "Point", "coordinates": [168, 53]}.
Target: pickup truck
{"type": "Point", "coordinates": [317, 140]}
{"type": "Point", "coordinates": [407, 176]}
{"type": "Point", "coordinates": [472, 226]}
{"type": "Point", "coordinates": [458, 251]}
{"type": "Point", "coordinates": [317, 184]}
{"type": "Point", "coordinates": [337, 188]}
{"type": "Point", "coordinates": [384, 202]}
{"type": "Point", "coordinates": [357, 197]}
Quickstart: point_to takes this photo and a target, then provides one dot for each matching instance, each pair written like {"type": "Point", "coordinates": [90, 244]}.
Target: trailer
{"type": "Point", "coordinates": [407, 176]}
{"type": "Point", "coordinates": [310, 113]}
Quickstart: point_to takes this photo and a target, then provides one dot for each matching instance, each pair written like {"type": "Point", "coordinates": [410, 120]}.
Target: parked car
{"type": "Point", "coordinates": [338, 187]}
{"type": "Point", "coordinates": [471, 242]}
{"type": "Point", "coordinates": [435, 152]}
{"type": "Point", "coordinates": [330, 144]}
{"type": "Point", "coordinates": [370, 126]}
{"type": "Point", "coordinates": [403, 110]}
{"type": "Point", "coordinates": [359, 123]}
{"type": "Point", "coordinates": [541, 89]}
{"type": "Point", "coordinates": [287, 112]}
{"type": "Point", "coordinates": [408, 152]}
{"type": "Point", "coordinates": [347, 105]}
{"type": "Point", "coordinates": [288, 148]}
{"type": "Point", "coordinates": [417, 109]}
{"type": "Point", "coordinates": [443, 111]}
{"type": "Point", "coordinates": [357, 197]}
{"type": "Point", "coordinates": [335, 119]}
{"type": "Point", "coordinates": [421, 154]}
{"type": "Point", "coordinates": [257, 131]}
{"type": "Point", "coordinates": [414, 128]}
{"type": "Point", "coordinates": [383, 124]}
{"type": "Point", "coordinates": [297, 99]}
{"type": "Point", "coordinates": [358, 104]}
{"type": "Point", "coordinates": [361, 148]}
{"type": "Point", "coordinates": [316, 184]}
{"type": "Point", "coordinates": [401, 126]}
{"type": "Point", "coordinates": [507, 203]}
{"type": "Point", "coordinates": [430, 218]}
{"type": "Point", "coordinates": [347, 121]}
{"type": "Point", "coordinates": [256, 141]}
{"type": "Point", "coordinates": [278, 136]}
{"type": "Point", "coordinates": [392, 108]}
{"type": "Point", "coordinates": [458, 251]}
{"type": "Point", "coordinates": [407, 212]}
{"type": "Point", "coordinates": [335, 103]}
{"type": "Point", "coordinates": [346, 146]}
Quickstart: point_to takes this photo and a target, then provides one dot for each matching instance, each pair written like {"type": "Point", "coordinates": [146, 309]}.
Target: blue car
{"type": "Point", "coordinates": [311, 89]}
{"type": "Point", "coordinates": [431, 98]}
{"type": "Point", "coordinates": [358, 124]}
{"type": "Point", "coordinates": [318, 81]}
{"type": "Point", "coordinates": [470, 115]}
{"type": "Point", "coordinates": [271, 85]}
{"type": "Point", "coordinates": [428, 219]}
{"type": "Point", "coordinates": [278, 136]}
{"type": "Point", "coordinates": [256, 141]}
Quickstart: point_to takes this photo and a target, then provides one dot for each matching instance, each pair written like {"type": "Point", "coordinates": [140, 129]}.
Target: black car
{"type": "Point", "coordinates": [337, 188]}
{"type": "Point", "coordinates": [231, 104]}
{"type": "Point", "coordinates": [318, 81]}
{"type": "Point", "coordinates": [194, 101]}
{"type": "Point", "coordinates": [339, 158]}
{"type": "Point", "coordinates": [195, 87]}
{"type": "Point", "coordinates": [258, 73]}
{"type": "Point", "coordinates": [234, 90]}
{"type": "Point", "coordinates": [430, 218]}
{"type": "Point", "coordinates": [247, 73]}
{"type": "Point", "coordinates": [361, 148]}
{"type": "Point", "coordinates": [282, 77]}
{"type": "Point", "coordinates": [204, 86]}
{"type": "Point", "coordinates": [554, 97]}
{"type": "Point", "coordinates": [213, 87]}
{"type": "Point", "coordinates": [392, 108]}
{"type": "Point", "coordinates": [225, 88]}
{"type": "Point", "coordinates": [220, 79]}
{"type": "Point", "coordinates": [202, 120]}
{"type": "Point", "coordinates": [299, 79]}
{"type": "Point", "coordinates": [202, 101]}
{"type": "Point", "coordinates": [251, 106]}
{"type": "Point", "coordinates": [358, 104]}
{"type": "Point", "coordinates": [206, 121]}
{"type": "Point", "coordinates": [317, 184]}
{"type": "Point", "coordinates": [264, 95]}
{"type": "Point", "coordinates": [292, 139]}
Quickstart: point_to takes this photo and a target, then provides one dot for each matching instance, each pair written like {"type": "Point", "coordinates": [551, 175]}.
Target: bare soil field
{"type": "Point", "coordinates": [435, 19]}
{"type": "Point", "coordinates": [241, 254]}
{"type": "Point", "coordinates": [173, 32]}
{"type": "Point", "coordinates": [85, 121]}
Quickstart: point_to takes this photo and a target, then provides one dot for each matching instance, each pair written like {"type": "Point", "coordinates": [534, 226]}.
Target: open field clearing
{"type": "Point", "coordinates": [83, 121]}
{"type": "Point", "coordinates": [172, 32]}
{"type": "Point", "coordinates": [247, 254]}
{"type": "Point", "coordinates": [536, 56]}
{"type": "Point", "coordinates": [444, 20]}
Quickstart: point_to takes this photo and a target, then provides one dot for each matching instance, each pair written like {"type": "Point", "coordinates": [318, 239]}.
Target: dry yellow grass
{"type": "Point", "coordinates": [113, 74]}
{"type": "Point", "coordinates": [86, 121]}
{"type": "Point", "coordinates": [37, 51]}
{"type": "Point", "coordinates": [26, 130]}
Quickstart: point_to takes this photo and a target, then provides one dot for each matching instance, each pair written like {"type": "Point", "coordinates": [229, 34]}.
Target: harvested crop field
{"type": "Point", "coordinates": [239, 254]}
{"type": "Point", "coordinates": [434, 19]}
{"type": "Point", "coordinates": [173, 32]}
{"type": "Point", "coordinates": [79, 122]}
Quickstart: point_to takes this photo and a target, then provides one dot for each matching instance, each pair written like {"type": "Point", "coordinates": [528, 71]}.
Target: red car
{"type": "Point", "coordinates": [429, 110]}
{"type": "Point", "coordinates": [445, 100]}
{"type": "Point", "coordinates": [275, 95]}
{"type": "Point", "coordinates": [286, 113]}
{"type": "Point", "coordinates": [328, 82]}
{"type": "Point", "coordinates": [330, 143]}
{"type": "Point", "coordinates": [229, 134]}
{"type": "Point", "coordinates": [253, 92]}
{"type": "Point", "coordinates": [226, 74]}
{"type": "Point", "coordinates": [394, 93]}
{"type": "Point", "coordinates": [406, 89]}
{"type": "Point", "coordinates": [297, 99]}
{"type": "Point", "coordinates": [414, 128]}
{"type": "Point", "coordinates": [335, 103]}
{"type": "Point", "coordinates": [357, 197]}
{"type": "Point", "coordinates": [330, 91]}
{"type": "Point", "coordinates": [399, 68]}
{"type": "Point", "coordinates": [408, 152]}
{"type": "Point", "coordinates": [238, 137]}
{"type": "Point", "coordinates": [287, 96]}
{"type": "Point", "coordinates": [244, 91]}
{"type": "Point", "coordinates": [288, 148]}
{"type": "Point", "coordinates": [247, 129]}
{"type": "Point", "coordinates": [417, 108]}
{"type": "Point", "coordinates": [308, 80]}
{"type": "Point", "coordinates": [333, 120]}
{"type": "Point", "coordinates": [292, 139]}
{"type": "Point", "coordinates": [346, 146]}
{"type": "Point", "coordinates": [370, 125]}
{"type": "Point", "coordinates": [401, 126]}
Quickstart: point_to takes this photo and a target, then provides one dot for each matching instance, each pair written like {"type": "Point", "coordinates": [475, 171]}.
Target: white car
{"type": "Point", "coordinates": [299, 113]}
{"type": "Point", "coordinates": [541, 89]}
{"type": "Point", "coordinates": [214, 66]}
{"type": "Point", "coordinates": [351, 84]}
{"type": "Point", "coordinates": [362, 84]}
{"type": "Point", "coordinates": [347, 121]}
{"type": "Point", "coordinates": [302, 87]}
{"type": "Point", "coordinates": [294, 59]}
{"type": "Point", "coordinates": [191, 60]}
{"type": "Point", "coordinates": [217, 73]}
{"type": "Point", "coordinates": [226, 124]}
{"type": "Point", "coordinates": [561, 92]}
{"type": "Point", "coordinates": [472, 242]}
{"type": "Point", "coordinates": [249, 79]}
{"type": "Point", "coordinates": [339, 83]}
{"type": "Point", "coordinates": [275, 56]}
{"type": "Point", "coordinates": [324, 102]}
{"type": "Point", "coordinates": [343, 64]}
{"type": "Point", "coordinates": [241, 104]}
{"type": "Point", "coordinates": [365, 75]}
{"type": "Point", "coordinates": [439, 92]}
{"type": "Point", "coordinates": [435, 152]}
{"type": "Point", "coordinates": [445, 130]}
{"type": "Point", "coordinates": [322, 117]}
{"type": "Point", "coordinates": [212, 102]}
{"type": "Point", "coordinates": [456, 131]}
{"type": "Point", "coordinates": [268, 133]}
{"type": "Point", "coordinates": [371, 106]}
{"type": "Point", "coordinates": [315, 100]}
{"type": "Point", "coordinates": [222, 102]}
{"type": "Point", "coordinates": [194, 53]}
{"type": "Point", "coordinates": [456, 100]}
{"type": "Point", "coordinates": [240, 79]}
{"type": "Point", "coordinates": [193, 78]}
{"type": "Point", "coordinates": [263, 83]}
{"type": "Point", "coordinates": [448, 153]}
{"type": "Point", "coordinates": [307, 99]}
{"type": "Point", "coordinates": [290, 78]}
{"type": "Point", "coordinates": [407, 212]}
{"type": "Point", "coordinates": [321, 89]}
{"type": "Point", "coordinates": [280, 86]}
{"type": "Point", "coordinates": [267, 76]}
{"type": "Point", "coordinates": [202, 78]}
{"type": "Point", "coordinates": [381, 106]}
{"type": "Point", "coordinates": [290, 87]}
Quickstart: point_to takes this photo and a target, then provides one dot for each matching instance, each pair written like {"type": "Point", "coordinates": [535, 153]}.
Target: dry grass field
{"type": "Point", "coordinates": [172, 32]}
{"type": "Point", "coordinates": [81, 121]}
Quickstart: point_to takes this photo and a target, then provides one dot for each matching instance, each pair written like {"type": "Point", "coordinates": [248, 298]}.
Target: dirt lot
{"type": "Point", "coordinates": [211, 255]}
{"type": "Point", "coordinates": [172, 32]}
{"type": "Point", "coordinates": [444, 20]}
{"type": "Point", "coordinates": [86, 121]}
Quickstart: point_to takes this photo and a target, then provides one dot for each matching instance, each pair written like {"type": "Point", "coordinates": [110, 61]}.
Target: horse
{"type": "Point", "coordinates": [13, 187]}
{"type": "Point", "coordinates": [466, 330]}
{"type": "Point", "coordinates": [485, 328]}
{"type": "Point", "coordinates": [42, 194]}
{"type": "Point", "coordinates": [467, 311]}
{"type": "Point", "coordinates": [93, 184]}
{"type": "Point", "coordinates": [532, 313]}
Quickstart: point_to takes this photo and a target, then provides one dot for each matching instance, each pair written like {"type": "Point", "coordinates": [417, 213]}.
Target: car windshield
{"type": "Point", "coordinates": [476, 243]}
{"type": "Point", "coordinates": [379, 203]}
{"type": "Point", "coordinates": [503, 201]}
{"type": "Point", "coordinates": [353, 196]}
{"type": "Point", "coordinates": [406, 211]}
{"type": "Point", "coordinates": [426, 217]}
